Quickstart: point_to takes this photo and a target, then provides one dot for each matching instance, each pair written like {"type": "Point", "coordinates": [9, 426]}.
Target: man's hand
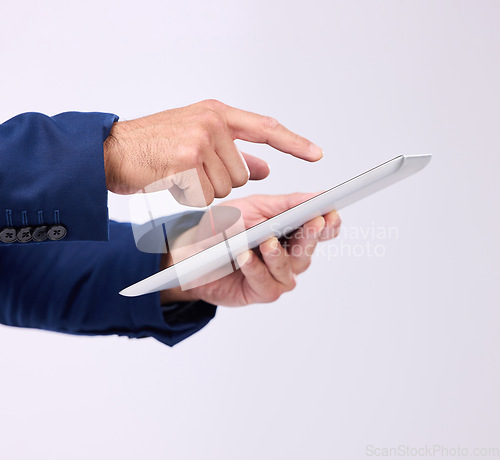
{"type": "Point", "coordinates": [153, 153]}
{"type": "Point", "coordinates": [271, 270]}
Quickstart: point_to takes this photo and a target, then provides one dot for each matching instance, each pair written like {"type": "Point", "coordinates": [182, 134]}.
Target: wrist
{"type": "Point", "coordinates": [111, 156]}
{"type": "Point", "coordinates": [118, 146]}
{"type": "Point", "coordinates": [175, 294]}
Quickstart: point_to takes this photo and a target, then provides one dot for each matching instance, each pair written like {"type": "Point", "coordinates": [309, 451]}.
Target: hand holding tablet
{"type": "Point", "coordinates": [215, 257]}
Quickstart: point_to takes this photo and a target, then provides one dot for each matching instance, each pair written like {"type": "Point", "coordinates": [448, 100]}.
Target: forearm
{"type": "Point", "coordinates": [73, 288]}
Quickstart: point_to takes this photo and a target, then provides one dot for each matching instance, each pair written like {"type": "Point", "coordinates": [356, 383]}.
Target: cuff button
{"type": "Point", "coordinates": [40, 233]}
{"type": "Point", "coordinates": [56, 232]}
{"type": "Point", "coordinates": [24, 234]}
{"type": "Point", "coordinates": [8, 235]}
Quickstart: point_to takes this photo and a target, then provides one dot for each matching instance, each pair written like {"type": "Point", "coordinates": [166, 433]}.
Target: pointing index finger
{"type": "Point", "coordinates": [252, 127]}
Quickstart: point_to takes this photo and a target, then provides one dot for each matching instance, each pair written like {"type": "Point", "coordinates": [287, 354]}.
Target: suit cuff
{"type": "Point", "coordinates": [53, 174]}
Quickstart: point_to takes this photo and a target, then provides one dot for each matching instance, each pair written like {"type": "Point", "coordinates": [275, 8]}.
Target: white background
{"type": "Point", "coordinates": [398, 349]}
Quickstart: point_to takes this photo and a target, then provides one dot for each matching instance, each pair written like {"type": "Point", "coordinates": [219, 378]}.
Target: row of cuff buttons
{"type": "Point", "coordinates": [39, 234]}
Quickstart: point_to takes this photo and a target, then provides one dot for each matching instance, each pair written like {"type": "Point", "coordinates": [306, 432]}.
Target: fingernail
{"type": "Point", "coordinates": [338, 221]}
{"type": "Point", "coordinates": [316, 151]}
{"type": "Point", "coordinates": [275, 244]}
{"type": "Point", "coordinates": [244, 258]}
{"type": "Point", "coordinates": [323, 224]}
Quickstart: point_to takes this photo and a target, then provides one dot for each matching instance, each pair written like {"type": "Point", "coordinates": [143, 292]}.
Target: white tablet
{"type": "Point", "coordinates": [217, 256]}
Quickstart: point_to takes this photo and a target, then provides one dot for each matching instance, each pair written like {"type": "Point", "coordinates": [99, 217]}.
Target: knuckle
{"type": "Point", "coordinates": [211, 120]}
{"type": "Point", "coordinates": [275, 294]}
{"type": "Point", "coordinates": [292, 284]}
{"type": "Point", "coordinates": [227, 188]}
{"type": "Point", "coordinates": [304, 266]}
{"type": "Point", "coordinates": [194, 157]}
{"type": "Point", "coordinates": [282, 266]}
{"type": "Point", "coordinates": [217, 122]}
{"type": "Point", "coordinates": [201, 135]}
{"type": "Point", "coordinates": [197, 160]}
{"type": "Point", "coordinates": [260, 276]}
{"type": "Point", "coordinates": [213, 104]}
{"type": "Point", "coordinates": [297, 140]}
{"type": "Point", "coordinates": [240, 180]}
{"type": "Point", "coordinates": [259, 273]}
{"type": "Point", "coordinates": [268, 123]}
{"type": "Point", "coordinates": [223, 190]}
{"type": "Point", "coordinates": [187, 158]}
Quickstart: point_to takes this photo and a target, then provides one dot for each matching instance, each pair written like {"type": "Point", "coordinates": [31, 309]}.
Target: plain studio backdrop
{"type": "Point", "coordinates": [397, 346]}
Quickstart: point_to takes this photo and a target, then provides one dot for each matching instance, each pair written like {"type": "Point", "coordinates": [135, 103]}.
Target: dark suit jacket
{"type": "Point", "coordinates": [62, 262]}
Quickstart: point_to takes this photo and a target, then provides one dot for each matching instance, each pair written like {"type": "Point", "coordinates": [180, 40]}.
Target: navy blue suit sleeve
{"type": "Point", "coordinates": [73, 287]}
{"type": "Point", "coordinates": [52, 171]}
